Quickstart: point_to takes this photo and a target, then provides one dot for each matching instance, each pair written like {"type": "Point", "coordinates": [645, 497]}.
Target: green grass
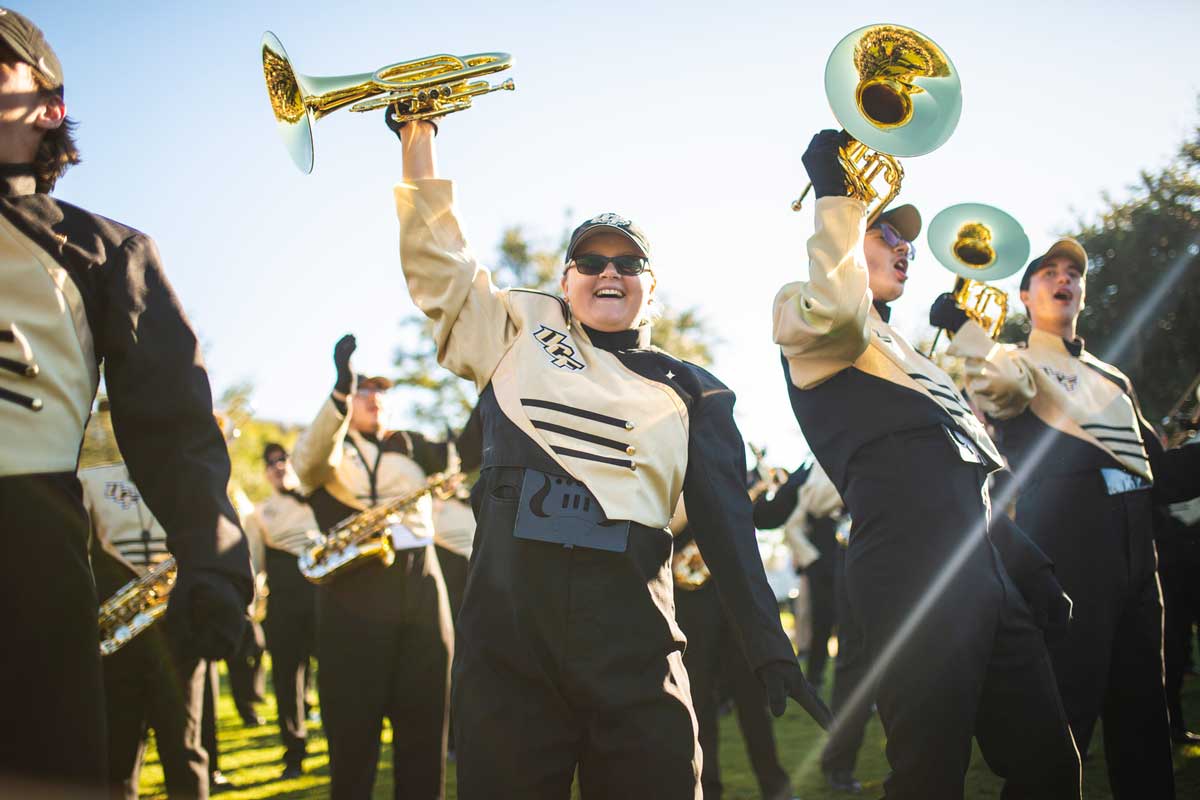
{"type": "Point", "coordinates": [252, 758]}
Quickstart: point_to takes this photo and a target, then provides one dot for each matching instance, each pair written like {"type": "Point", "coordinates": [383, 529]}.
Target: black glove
{"type": "Point", "coordinates": [342, 351]}
{"type": "Point", "coordinates": [209, 611]}
{"type": "Point", "coordinates": [1051, 606]}
{"type": "Point", "coordinates": [822, 164]}
{"type": "Point", "coordinates": [395, 125]}
{"type": "Point", "coordinates": [784, 679]}
{"type": "Point", "coordinates": [945, 313]}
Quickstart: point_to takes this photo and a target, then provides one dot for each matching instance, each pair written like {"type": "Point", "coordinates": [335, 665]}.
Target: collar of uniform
{"type": "Point", "coordinates": [1044, 339]}
{"type": "Point", "coordinates": [17, 180]}
{"type": "Point", "coordinates": [883, 309]}
{"type": "Point", "coordinates": [632, 339]}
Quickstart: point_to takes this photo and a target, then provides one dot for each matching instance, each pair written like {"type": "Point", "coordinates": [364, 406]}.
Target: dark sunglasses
{"type": "Point", "coordinates": [893, 238]}
{"type": "Point", "coordinates": [277, 460]}
{"type": "Point", "coordinates": [626, 265]}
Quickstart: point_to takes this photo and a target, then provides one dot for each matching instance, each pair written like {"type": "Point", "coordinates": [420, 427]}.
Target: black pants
{"type": "Point", "coordinates": [211, 682]}
{"type": "Point", "coordinates": [454, 573]}
{"type": "Point", "coordinates": [151, 683]}
{"type": "Point", "coordinates": [52, 707]}
{"type": "Point", "coordinates": [822, 600]}
{"type": "Point", "coordinates": [290, 629]}
{"type": "Point", "coordinates": [959, 651]}
{"type": "Point", "coordinates": [1110, 664]}
{"type": "Point", "coordinates": [247, 676]}
{"type": "Point", "coordinates": [713, 659]}
{"type": "Point", "coordinates": [1179, 574]}
{"type": "Point", "coordinates": [384, 642]}
{"type": "Point", "coordinates": [849, 670]}
{"type": "Point", "coordinates": [569, 659]}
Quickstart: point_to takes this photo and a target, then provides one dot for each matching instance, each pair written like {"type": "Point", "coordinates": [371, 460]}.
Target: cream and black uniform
{"type": "Point", "coordinates": [384, 636]}
{"type": "Point", "coordinates": [79, 290]}
{"type": "Point", "coordinates": [1089, 471]}
{"type": "Point", "coordinates": [911, 461]}
{"type": "Point", "coordinates": [286, 526]}
{"type": "Point", "coordinates": [568, 652]}
{"type": "Point", "coordinates": [717, 668]}
{"type": "Point", "coordinates": [152, 682]}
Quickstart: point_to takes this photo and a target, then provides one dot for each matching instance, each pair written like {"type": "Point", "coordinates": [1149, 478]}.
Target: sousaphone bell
{"type": "Point", "coordinates": [978, 243]}
{"type": "Point", "coordinates": [896, 92]}
{"type": "Point", "coordinates": [419, 89]}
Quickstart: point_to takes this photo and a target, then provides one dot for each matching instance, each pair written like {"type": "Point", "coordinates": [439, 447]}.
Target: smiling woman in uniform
{"type": "Point", "coordinates": [568, 655]}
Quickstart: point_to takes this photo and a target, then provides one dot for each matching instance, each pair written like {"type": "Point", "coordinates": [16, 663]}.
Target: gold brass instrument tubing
{"type": "Point", "coordinates": [136, 606]}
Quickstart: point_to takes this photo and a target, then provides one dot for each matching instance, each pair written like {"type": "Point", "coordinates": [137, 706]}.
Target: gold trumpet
{"type": "Point", "coordinates": [898, 95]}
{"type": "Point", "coordinates": [419, 89]}
{"type": "Point", "coordinates": [978, 243]}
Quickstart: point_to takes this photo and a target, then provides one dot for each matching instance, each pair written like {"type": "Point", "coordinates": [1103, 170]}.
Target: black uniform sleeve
{"type": "Point", "coordinates": [1176, 471]}
{"type": "Point", "coordinates": [721, 519]}
{"type": "Point", "coordinates": [469, 442]}
{"type": "Point", "coordinates": [163, 416]}
{"type": "Point", "coordinates": [772, 513]}
{"type": "Point", "coordinates": [432, 456]}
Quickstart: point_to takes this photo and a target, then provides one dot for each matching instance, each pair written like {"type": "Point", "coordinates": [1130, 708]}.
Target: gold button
{"type": "Point", "coordinates": [31, 371]}
{"type": "Point", "coordinates": [632, 467]}
{"type": "Point", "coordinates": [628, 426]}
{"type": "Point", "coordinates": [630, 450]}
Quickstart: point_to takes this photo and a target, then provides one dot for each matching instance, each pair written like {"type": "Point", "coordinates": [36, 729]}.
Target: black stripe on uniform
{"type": "Point", "coordinates": [616, 462]}
{"type": "Point", "coordinates": [32, 403]}
{"type": "Point", "coordinates": [1118, 440]}
{"type": "Point", "coordinates": [1118, 429]}
{"type": "Point", "coordinates": [1139, 456]}
{"type": "Point", "coordinates": [579, 412]}
{"type": "Point", "coordinates": [587, 437]}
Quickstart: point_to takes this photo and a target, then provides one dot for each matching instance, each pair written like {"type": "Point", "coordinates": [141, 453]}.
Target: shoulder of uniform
{"type": "Point", "coordinates": [1108, 369]}
{"type": "Point", "coordinates": [709, 384]}
{"type": "Point", "coordinates": [535, 298]}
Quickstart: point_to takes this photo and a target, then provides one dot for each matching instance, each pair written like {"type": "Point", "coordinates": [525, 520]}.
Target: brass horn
{"type": "Point", "coordinates": [898, 95]}
{"type": "Point", "coordinates": [978, 243]}
{"type": "Point", "coordinates": [419, 89]}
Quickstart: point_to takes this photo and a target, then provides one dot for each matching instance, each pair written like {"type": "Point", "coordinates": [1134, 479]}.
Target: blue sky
{"type": "Point", "coordinates": [688, 117]}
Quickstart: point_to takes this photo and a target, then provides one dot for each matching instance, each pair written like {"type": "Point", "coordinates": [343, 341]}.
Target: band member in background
{"type": "Point", "coordinates": [714, 662]}
{"type": "Point", "coordinates": [812, 514]}
{"type": "Point", "coordinates": [454, 527]}
{"type": "Point", "coordinates": [287, 528]}
{"type": "Point", "coordinates": [569, 656]}
{"type": "Point", "coordinates": [152, 682]}
{"type": "Point", "coordinates": [1089, 470]}
{"type": "Point", "coordinates": [958, 650]}
{"type": "Point", "coordinates": [384, 636]}
{"type": "Point", "coordinates": [79, 290]}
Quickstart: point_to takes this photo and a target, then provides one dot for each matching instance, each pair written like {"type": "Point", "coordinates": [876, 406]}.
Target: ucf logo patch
{"type": "Point", "coordinates": [122, 494]}
{"type": "Point", "coordinates": [1068, 382]}
{"type": "Point", "coordinates": [562, 355]}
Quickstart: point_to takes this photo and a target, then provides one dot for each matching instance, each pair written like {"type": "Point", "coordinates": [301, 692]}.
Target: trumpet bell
{"type": "Point", "coordinates": [894, 89]}
{"type": "Point", "coordinates": [978, 242]}
{"type": "Point", "coordinates": [293, 118]}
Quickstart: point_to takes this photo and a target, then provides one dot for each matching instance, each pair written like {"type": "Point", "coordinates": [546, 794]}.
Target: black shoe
{"type": "Point", "coordinates": [217, 782]}
{"type": "Point", "coordinates": [252, 719]}
{"type": "Point", "coordinates": [291, 771]}
{"type": "Point", "coordinates": [843, 780]}
{"type": "Point", "coordinates": [1182, 736]}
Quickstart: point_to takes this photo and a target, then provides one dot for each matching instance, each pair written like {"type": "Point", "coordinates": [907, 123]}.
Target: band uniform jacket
{"type": "Point", "coordinates": [81, 291]}
{"type": "Point", "coordinates": [632, 424]}
{"type": "Point", "coordinates": [343, 472]}
{"type": "Point", "coordinates": [1087, 408]}
{"type": "Point", "coordinates": [120, 519]}
{"type": "Point", "coordinates": [285, 522]}
{"type": "Point", "coordinates": [817, 499]}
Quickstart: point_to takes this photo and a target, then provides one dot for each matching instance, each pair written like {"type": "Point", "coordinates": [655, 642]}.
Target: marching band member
{"type": "Point", "coordinates": [384, 636]}
{"type": "Point", "coordinates": [959, 650]}
{"type": "Point", "coordinates": [1087, 500]}
{"type": "Point", "coordinates": [568, 655]}
{"type": "Point", "coordinates": [714, 662]}
{"type": "Point", "coordinates": [287, 527]}
{"type": "Point", "coordinates": [809, 501]}
{"type": "Point", "coordinates": [78, 290]}
{"type": "Point", "coordinates": [152, 682]}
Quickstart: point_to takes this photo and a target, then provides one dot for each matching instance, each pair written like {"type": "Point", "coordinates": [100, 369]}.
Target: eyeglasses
{"type": "Point", "coordinates": [626, 265]}
{"type": "Point", "coordinates": [272, 462]}
{"type": "Point", "coordinates": [893, 238]}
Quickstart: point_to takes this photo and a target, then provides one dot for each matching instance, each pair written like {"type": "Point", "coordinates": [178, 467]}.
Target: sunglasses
{"type": "Point", "coordinates": [626, 265]}
{"type": "Point", "coordinates": [271, 462]}
{"type": "Point", "coordinates": [893, 238]}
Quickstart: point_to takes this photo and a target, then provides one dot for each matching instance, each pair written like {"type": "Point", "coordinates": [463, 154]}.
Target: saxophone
{"type": "Point", "coordinates": [136, 606]}
{"type": "Point", "coordinates": [364, 536]}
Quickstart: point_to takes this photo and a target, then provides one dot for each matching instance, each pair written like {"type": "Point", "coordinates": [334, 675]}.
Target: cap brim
{"type": "Point", "coordinates": [1068, 248]}
{"type": "Point", "coordinates": [905, 219]}
{"type": "Point", "coordinates": [583, 237]}
{"type": "Point", "coordinates": [375, 382]}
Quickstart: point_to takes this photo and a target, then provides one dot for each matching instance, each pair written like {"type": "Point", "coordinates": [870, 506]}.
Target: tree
{"type": "Point", "coordinates": [250, 435]}
{"type": "Point", "coordinates": [1143, 293]}
{"type": "Point", "coordinates": [440, 399]}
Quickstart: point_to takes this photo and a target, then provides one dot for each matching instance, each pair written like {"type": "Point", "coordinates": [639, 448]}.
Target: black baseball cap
{"type": "Point", "coordinates": [1065, 246]}
{"type": "Point", "coordinates": [29, 44]}
{"type": "Point", "coordinates": [273, 448]}
{"type": "Point", "coordinates": [612, 222]}
{"type": "Point", "coordinates": [905, 219]}
{"type": "Point", "coordinates": [374, 382]}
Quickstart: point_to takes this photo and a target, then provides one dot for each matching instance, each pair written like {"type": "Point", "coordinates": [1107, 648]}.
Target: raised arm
{"type": "Point", "coordinates": [997, 378]}
{"type": "Point", "coordinates": [821, 323]}
{"type": "Point", "coordinates": [471, 323]}
{"type": "Point", "coordinates": [318, 451]}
